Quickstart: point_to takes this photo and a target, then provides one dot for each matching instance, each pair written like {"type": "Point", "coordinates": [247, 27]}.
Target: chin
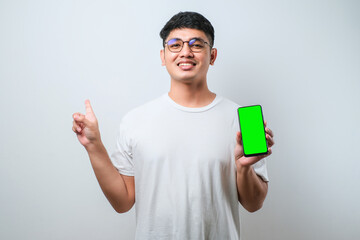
{"type": "Point", "coordinates": [186, 77]}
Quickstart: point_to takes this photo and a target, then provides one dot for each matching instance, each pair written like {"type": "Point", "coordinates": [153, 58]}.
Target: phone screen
{"type": "Point", "coordinates": [252, 130]}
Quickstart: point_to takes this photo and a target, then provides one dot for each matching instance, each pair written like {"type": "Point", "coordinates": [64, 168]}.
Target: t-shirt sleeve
{"type": "Point", "coordinates": [122, 157]}
{"type": "Point", "coordinates": [261, 170]}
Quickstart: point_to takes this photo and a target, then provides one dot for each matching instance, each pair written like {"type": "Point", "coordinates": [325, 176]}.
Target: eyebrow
{"type": "Point", "coordinates": [190, 38]}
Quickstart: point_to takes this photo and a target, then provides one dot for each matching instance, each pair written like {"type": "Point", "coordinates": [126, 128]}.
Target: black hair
{"type": "Point", "coordinates": [192, 20]}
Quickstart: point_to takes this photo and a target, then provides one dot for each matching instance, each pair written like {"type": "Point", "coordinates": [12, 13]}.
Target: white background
{"type": "Point", "coordinates": [299, 59]}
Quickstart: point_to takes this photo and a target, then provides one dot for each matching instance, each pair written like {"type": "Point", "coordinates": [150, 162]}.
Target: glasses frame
{"type": "Point", "coordinates": [183, 43]}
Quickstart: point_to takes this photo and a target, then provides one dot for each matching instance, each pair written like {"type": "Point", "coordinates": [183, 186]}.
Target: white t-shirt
{"type": "Point", "coordinates": [185, 173]}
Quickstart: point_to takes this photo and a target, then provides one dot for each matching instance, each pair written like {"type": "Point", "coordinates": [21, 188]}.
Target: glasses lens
{"type": "Point", "coordinates": [196, 44]}
{"type": "Point", "coordinates": [175, 45]}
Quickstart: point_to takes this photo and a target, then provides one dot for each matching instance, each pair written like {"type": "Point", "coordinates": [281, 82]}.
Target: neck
{"type": "Point", "coordinates": [191, 94]}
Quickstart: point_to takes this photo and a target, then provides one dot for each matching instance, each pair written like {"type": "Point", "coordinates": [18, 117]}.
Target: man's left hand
{"type": "Point", "coordinates": [241, 160]}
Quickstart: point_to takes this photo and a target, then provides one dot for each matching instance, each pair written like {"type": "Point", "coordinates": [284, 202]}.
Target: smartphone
{"type": "Point", "coordinates": [252, 130]}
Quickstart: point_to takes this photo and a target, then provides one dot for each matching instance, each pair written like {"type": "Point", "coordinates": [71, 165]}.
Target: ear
{"type": "Point", "coordinates": [162, 56]}
{"type": "Point", "coordinates": [213, 56]}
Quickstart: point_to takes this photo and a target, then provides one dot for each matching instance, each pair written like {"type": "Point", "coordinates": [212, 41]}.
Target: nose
{"type": "Point", "coordinates": [186, 51]}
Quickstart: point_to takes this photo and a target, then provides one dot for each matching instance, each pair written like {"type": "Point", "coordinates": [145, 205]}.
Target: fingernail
{"type": "Point", "coordinates": [79, 129]}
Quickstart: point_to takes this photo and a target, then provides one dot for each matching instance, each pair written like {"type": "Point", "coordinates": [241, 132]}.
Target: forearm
{"type": "Point", "coordinates": [110, 180]}
{"type": "Point", "coordinates": [251, 188]}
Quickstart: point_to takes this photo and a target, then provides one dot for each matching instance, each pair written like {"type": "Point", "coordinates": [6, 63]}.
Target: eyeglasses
{"type": "Point", "coordinates": [175, 45]}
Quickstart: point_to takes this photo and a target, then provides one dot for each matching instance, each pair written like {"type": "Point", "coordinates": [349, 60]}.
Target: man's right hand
{"type": "Point", "coordinates": [118, 189]}
{"type": "Point", "coordinates": [86, 126]}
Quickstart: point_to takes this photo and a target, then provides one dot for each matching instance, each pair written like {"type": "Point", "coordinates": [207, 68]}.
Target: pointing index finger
{"type": "Point", "coordinates": [88, 107]}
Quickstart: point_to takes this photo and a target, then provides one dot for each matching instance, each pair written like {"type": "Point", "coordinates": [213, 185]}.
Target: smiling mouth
{"type": "Point", "coordinates": [186, 64]}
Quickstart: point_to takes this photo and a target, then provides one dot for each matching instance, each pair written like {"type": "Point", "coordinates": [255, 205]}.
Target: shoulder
{"type": "Point", "coordinates": [228, 112]}
{"type": "Point", "coordinates": [228, 104]}
{"type": "Point", "coordinates": [143, 111]}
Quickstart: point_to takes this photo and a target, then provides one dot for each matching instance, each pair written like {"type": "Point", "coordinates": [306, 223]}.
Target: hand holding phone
{"type": "Point", "coordinates": [252, 130]}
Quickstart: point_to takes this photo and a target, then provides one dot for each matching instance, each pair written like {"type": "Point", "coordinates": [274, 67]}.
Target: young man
{"type": "Point", "coordinates": [184, 164]}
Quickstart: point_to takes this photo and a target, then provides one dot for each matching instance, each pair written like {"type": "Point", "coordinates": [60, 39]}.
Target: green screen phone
{"type": "Point", "coordinates": [252, 130]}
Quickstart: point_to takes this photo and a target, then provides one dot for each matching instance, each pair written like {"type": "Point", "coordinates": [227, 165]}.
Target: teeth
{"type": "Point", "coordinates": [185, 64]}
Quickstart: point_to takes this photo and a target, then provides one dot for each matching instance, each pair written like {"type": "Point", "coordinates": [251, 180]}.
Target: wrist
{"type": "Point", "coordinates": [241, 169]}
{"type": "Point", "coordinates": [95, 146]}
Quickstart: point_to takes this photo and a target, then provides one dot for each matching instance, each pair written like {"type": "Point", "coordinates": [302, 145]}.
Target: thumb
{"type": "Point", "coordinates": [238, 137]}
{"type": "Point", "coordinates": [80, 119]}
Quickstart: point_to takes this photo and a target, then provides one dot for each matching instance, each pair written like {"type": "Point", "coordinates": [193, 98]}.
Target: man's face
{"type": "Point", "coordinates": [188, 66]}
